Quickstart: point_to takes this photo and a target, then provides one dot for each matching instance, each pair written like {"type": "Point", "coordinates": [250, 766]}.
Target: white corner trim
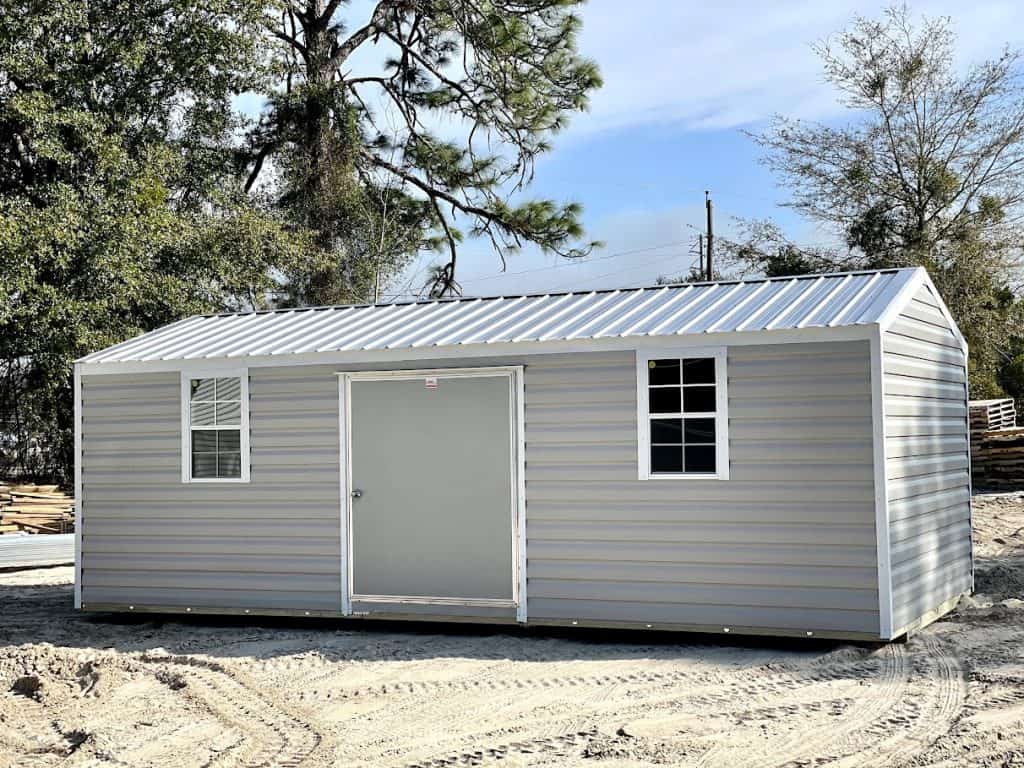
{"type": "Point", "coordinates": [345, 482]}
{"type": "Point", "coordinates": [186, 423]}
{"type": "Point", "coordinates": [643, 424]}
{"type": "Point", "coordinates": [884, 552]}
{"type": "Point", "coordinates": [519, 383]}
{"type": "Point", "coordinates": [78, 485]}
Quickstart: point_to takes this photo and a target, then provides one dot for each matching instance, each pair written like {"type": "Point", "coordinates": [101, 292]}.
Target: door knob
{"type": "Point", "coordinates": [357, 493]}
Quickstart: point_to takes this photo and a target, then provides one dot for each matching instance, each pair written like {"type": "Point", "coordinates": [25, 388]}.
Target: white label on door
{"type": "Point", "coordinates": [430, 382]}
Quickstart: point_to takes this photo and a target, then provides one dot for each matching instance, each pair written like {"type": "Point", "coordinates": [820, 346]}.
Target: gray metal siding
{"type": "Point", "coordinates": [788, 542]}
{"type": "Point", "coordinates": [927, 464]}
{"type": "Point", "coordinates": [149, 539]}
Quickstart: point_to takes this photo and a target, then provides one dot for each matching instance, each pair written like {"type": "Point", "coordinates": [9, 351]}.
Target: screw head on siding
{"type": "Point", "coordinates": [188, 610]}
{"type": "Point", "coordinates": [575, 623]}
{"type": "Point", "coordinates": [810, 634]}
{"type": "Point", "coordinates": [725, 629]}
{"type": "Point", "coordinates": [131, 607]}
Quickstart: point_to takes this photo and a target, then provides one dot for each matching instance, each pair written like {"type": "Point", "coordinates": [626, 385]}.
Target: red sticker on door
{"type": "Point", "coordinates": [430, 382]}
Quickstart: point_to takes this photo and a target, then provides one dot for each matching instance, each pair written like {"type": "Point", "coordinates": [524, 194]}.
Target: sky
{"type": "Point", "coordinates": [683, 80]}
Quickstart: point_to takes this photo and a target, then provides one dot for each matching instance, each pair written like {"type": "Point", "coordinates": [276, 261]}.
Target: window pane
{"type": "Point", "coordinates": [667, 431]}
{"type": "Point", "coordinates": [202, 414]}
{"type": "Point", "coordinates": [666, 458]}
{"type": "Point", "coordinates": [229, 389]}
{"type": "Point", "coordinates": [664, 400]}
{"type": "Point", "coordinates": [662, 371]}
{"type": "Point", "coordinates": [202, 389]}
{"type": "Point", "coordinates": [204, 440]}
{"type": "Point", "coordinates": [204, 465]}
{"type": "Point", "coordinates": [229, 413]}
{"type": "Point", "coordinates": [698, 399]}
{"type": "Point", "coordinates": [700, 458]}
{"type": "Point", "coordinates": [700, 431]}
{"type": "Point", "coordinates": [699, 370]}
{"type": "Point", "coordinates": [229, 465]}
{"type": "Point", "coordinates": [228, 440]}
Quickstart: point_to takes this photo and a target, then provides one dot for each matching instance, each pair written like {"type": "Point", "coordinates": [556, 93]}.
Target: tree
{"type": "Point", "coordinates": [931, 172]}
{"type": "Point", "coordinates": [504, 74]}
{"type": "Point", "coordinates": [118, 206]}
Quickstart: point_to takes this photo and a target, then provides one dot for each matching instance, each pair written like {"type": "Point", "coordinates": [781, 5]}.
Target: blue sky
{"type": "Point", "coordinates": [682, 82]}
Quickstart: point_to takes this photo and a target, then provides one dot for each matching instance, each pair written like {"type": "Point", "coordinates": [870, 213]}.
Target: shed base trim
{"type": "Point", "coordinates": [930, 617]}
{"type": "Point", "coordinates": [510, 621]}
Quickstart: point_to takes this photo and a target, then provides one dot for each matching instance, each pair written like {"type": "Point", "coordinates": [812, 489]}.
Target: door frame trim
{"type": "Point", "coordinates": [517, 468]}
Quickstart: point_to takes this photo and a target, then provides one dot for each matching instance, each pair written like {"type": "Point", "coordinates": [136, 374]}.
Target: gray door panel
{"type": "Point", "coordinates": [434, 466]}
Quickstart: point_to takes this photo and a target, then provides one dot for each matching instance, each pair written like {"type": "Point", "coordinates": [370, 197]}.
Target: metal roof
{"type": "Point", "coordinates": [842, 299]}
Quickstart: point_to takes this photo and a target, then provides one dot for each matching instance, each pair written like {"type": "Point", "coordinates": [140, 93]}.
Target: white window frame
{"type": "Point", "coordinates": [721, 414]}
{"type": "Point", "coordinates": [186, 423]}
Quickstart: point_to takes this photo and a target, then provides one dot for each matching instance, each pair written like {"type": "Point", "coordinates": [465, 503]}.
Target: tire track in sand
{"type": "Point", "coordinates": [274, 736]}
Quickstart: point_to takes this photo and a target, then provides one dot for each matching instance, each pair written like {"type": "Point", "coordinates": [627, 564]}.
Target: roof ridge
{"type": "Point", "coordinates": [539, 294]}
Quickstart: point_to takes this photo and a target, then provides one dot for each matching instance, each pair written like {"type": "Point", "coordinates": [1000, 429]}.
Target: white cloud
{"type": "Point", "coordinates": [726, 64]}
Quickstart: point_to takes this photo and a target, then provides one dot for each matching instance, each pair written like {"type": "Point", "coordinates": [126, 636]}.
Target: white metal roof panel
{"type": "Point", "coordinates": [855, 298]}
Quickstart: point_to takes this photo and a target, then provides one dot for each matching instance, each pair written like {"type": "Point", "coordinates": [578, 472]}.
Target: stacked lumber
{"type": "Point", "coordinates": [1002, 456]}
{"type": "Point", "coordinates": [35, 509]}
{"type": "Point", "coordinates": [988, 416]}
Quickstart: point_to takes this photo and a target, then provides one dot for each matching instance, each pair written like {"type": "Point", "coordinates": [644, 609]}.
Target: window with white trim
{"type": "Point", "coordinates": [216, 420]}
{"type": "Point", "coordinates": [683, 424]}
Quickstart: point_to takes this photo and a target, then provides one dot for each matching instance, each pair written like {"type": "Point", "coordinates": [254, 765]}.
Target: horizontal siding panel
{"type": "Point", "coordinates": [601, 510]}
{"type": "Point", "coordinates": [923, 525]}
{"type": "Point", "coordinates": [740, 471]}
{"type": "Point", "coordinates": [785, 366]}
{"type": "Point", "coordinates": [570, 453]}
{"type": "Point", "coordinates": [144, 408]}
{"type": "Point", "coordinates": [803, 619]}
{"type": "Point", "coordinates": [938, 540]}
{"type": "Point", "coordinates": [702, 532]}
{"type": "Point", "coordinates": [909, 426]}
{"type": "Point", "coordinates": [214, 597]}
{"type": "Point", "coordinates": [832, 427]}
{"type": "Point", "coordinates": [921, 350]}
{"type": "Point", "coordinates": [923, 370]}
{"type": "Point", "coordinates": [216, 527]}
{"type": "Point", "coordinates": [226, 580]}
{"type": "Point", "coordinates": [954, 557]}
{"type": "Point", "coordinates": [919, 407]}
{"type": "Point", "coordinates": [254, 510]}
{"type": "Point", "coordinates": [903, 488]}
{"type": "Point", "coordinates": [925, 465]}
{"type": "Point", "coordinates": [298, 544]}
{"type": "Point", "coordinates": [915, 329]}
{"type": "Point", "coordinates": [913, 387]}
{"type": "Point", "coordinates": [239, 564]}
{"type": "Point", "coordinates": [200, 493]}
{"type": "Point", "coordinates": [927, 503]}
{"type": "Point", "coordinates": [925, 313]}
{"type": "Point", "coordinates": [703, 594]}
{"type": "Point", "coordinates": [839, 555]}
{"type": "Point", "coordinates": [702, 490]}
{"type": "Point", "coordinates": [321, 438]}
{"type": "Point", "coordinates": [783, 451]}
{"type": "Point", "coordinates": [822, 408]}
{"type": "Point", "coordinates": [686, 573]}
{"type": "Point", "coordinates": [817, 387]}
{"type": "Point", "coordinates": [615, 395]}
{"type": "Point", "coordinates": [927, 445]}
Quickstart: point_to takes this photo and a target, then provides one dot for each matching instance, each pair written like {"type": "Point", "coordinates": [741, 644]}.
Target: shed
{"type": "Point", "coordinates": [784, 456]}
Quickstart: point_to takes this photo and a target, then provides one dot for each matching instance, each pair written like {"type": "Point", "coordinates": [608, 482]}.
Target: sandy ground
{"type": "Point", "coordinates": [130, 691]}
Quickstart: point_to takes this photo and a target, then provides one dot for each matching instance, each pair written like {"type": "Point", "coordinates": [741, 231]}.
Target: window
{"type": "Point", "coordinates": [683, 423]}
{"type": "Point", "coordinates": [215, 415]}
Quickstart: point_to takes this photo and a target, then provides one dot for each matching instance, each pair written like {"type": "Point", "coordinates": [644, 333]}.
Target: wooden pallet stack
{"type": "Point", "coordinates": [997, 443]}
{"type": "Point", "coordinates": [35, 509]}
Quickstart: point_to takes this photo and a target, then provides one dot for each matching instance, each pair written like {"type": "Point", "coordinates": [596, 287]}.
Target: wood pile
{"type": "Point", "coordinates": [35, 509]}
{"type": "Point", "coordinates": [997, 443]}
{"type": "Point", "coordinates": [1002, 456]}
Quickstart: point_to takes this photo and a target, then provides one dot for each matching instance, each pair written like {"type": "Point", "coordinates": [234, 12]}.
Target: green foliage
{"type": "Point", "coordinates": [931, 173]}
{"type": "Point", "coordinates": [118, 208]}
{"type": "Point", "coordinates": [504, 73]}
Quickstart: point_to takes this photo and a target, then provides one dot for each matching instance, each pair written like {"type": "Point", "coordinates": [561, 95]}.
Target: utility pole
{"type": "Point", "coordinates": [711, 234]}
